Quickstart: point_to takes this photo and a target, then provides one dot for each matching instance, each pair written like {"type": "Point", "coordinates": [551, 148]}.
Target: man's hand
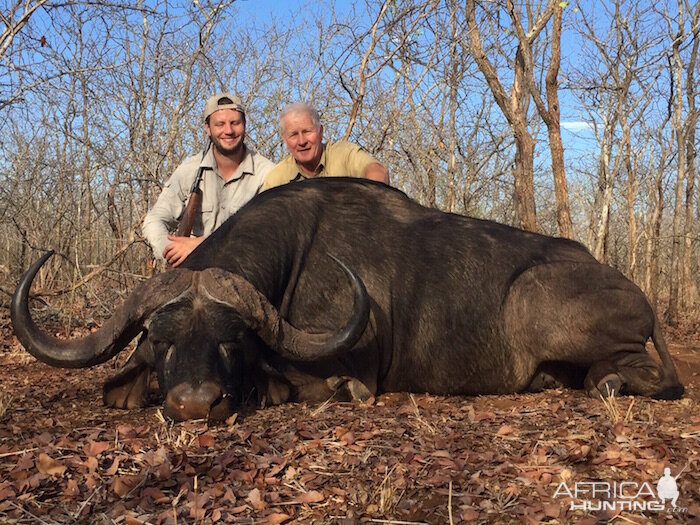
{"type": "Point", "coordinates": [179, 248]}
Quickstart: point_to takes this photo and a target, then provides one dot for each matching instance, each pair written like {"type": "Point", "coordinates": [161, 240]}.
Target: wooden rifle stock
{"type": "Point", "coordinates": [194, 204]}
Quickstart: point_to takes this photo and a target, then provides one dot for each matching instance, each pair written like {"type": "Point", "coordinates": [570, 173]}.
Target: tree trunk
{"type": "Point", "coordinates": [556, 147]}
{"type": "Point", "coordinates": [603, 201]}
{"type": "Point", "coordinates": [454, 80]}
{"type": "Point", "coordinates": [690, 295]}
{"type": "Point", "coordinates": [677, 246]}
{"type": "Point", "coordinates": [651, 254]}
{"type": "Point", "coordinates": [514, 107]}
{"type": "Point", "coordinates": [524, 180]}
{"type": "Point", "coordinates": [632, 185]}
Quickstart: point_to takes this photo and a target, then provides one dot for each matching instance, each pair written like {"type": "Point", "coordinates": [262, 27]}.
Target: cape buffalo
{"type": "Point", "coordinates": [437, 302]}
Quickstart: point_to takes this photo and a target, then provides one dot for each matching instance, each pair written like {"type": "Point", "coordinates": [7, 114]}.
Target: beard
{"type": "Point", "coordinates": [233, 150]}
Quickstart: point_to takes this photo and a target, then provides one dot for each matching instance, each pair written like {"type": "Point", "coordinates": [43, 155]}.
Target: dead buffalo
{"type": "Point", "coordinates": [416, 300]}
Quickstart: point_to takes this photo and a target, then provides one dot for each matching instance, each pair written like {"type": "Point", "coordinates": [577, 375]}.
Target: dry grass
{"type": "Point", "coordinates": [612, 408]}
{"type": "Point", "coordinates": [386, 492]}
{"type": "Point", "coordinates": [5, 402]}
{"type": "Point", "coordinates": [169, 433]}
{"type": "Point", "coordinates": [421, 421]}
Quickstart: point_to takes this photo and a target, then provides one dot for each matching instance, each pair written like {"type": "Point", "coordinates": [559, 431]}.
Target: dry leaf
{"type": "Point", "coordinates": [469, 515]}
{"type": "Point", "coordinates": [92, 464]}
{"type": "Point", "coordinates": [312, 496]}
{"type": "Point", "coordinates": [205, 440]}
{"type": "Point", "coordinates": [277, 518]}
{"type": "Point", "coordinates": [122, 485]}
{"type": "Point", "coordinates": [71, 489]}
{"type": "Point", "coordinates": [552, 510]}
{"type": "Point", "coordinates": [505, 430]}
{"type": "Point", "coordinates": [163, 471]}
{"type": "Point", "coordinates": [112, 470]}
{"type": "Point", "coordinates": [95, 448]}
{"type": "Point", "coordinates": [347, 439]}
{"type": "Point", "coordinates": [255, 499]}
{"type": "Point", "coordinates": [47, 465]}
{"type": "Point", "coordinates": [155, 494]}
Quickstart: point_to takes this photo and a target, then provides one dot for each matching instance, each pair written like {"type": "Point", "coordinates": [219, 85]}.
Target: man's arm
{"type": "Point", "coordinates": [357, 162]}
{"type": "Point", "coordinates": [161, 218]}
{"type": "Point", "coordinates": [378, 172]}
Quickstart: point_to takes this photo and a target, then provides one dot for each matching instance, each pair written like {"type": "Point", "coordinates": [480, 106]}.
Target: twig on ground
{"type": "Point", "coordinates": [420, 419]}
{"type": "Point", "coordinates": [395, 522]}
{"type": "Point", "coordinates": [75, 516]}
{"type": "Point", "coordinates": [18, 452]}
{"type": "Point", "coordinates": [34, 517]}
{"type": "Point", "coordinates": [449, 504]}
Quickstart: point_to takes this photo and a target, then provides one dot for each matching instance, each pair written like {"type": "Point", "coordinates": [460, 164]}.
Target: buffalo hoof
{"type": "Point", "coordinates": [609, 386]}
{"type": "Point", "coordinates": [358, 391]}
{"type": "Point", "coordinates": [349, 388]}
{"type": "Point", "coordinates": [673, 392]}
{"type": "Point", "coordinates": [128, 389]}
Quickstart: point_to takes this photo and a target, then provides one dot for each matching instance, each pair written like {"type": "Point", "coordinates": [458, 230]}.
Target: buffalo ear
{"type": "Point", "coordinates": [130, 387]}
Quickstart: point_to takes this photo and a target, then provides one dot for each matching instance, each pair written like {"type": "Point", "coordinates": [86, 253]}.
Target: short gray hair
{"type": "Point", "coordinates": [300, 107]}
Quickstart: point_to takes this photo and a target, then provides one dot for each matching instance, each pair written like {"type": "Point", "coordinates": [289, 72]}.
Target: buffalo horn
{"type": "Point", "coordinates": [114, 335]}
{"type": "Point", "coordinates": [263, 318]}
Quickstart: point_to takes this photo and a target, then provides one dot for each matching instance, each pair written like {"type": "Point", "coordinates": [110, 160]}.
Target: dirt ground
{"type": "Point", "coordinates": [401, 459]}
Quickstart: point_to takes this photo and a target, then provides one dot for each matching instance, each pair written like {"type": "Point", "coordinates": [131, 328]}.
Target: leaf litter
{"type": "Point", "coordinates": [401, 458]}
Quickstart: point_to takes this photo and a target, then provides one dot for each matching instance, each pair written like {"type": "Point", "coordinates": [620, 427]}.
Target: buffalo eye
{"type": "Point", "coordinates": [160, 347]}
{"type": "Point", "coordinates": [226, 352]}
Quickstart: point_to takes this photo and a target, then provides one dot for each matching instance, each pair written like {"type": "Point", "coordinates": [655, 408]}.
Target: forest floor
{"type": "Point", "coordinates": [399, 459]}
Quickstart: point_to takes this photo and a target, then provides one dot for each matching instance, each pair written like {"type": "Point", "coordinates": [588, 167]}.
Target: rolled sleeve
{"type": "Point", "coordinates": [356, 159]}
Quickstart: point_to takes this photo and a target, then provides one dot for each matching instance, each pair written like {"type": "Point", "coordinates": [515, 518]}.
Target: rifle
{"type": "Point", "coordinates": [194, 203]}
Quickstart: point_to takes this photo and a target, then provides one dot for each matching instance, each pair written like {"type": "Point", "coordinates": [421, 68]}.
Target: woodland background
{"type": "Point", "coordinates": [100, 100]}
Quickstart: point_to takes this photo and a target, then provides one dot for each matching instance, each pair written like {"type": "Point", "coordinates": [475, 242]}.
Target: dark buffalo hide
{"type": "Point", "coordinates": [348, 287]}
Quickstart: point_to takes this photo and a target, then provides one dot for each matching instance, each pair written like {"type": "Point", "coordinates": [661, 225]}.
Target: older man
{"type": "Point", "coordinates": [232, 175]}
{"type": "Point", "coordinates": [302, 132]}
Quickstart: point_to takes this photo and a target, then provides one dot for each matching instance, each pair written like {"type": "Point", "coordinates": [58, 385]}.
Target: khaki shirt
{"type": "Point", "coordinates": [339, 159]}
{"type": "Point", "coordinates": [220, 198]}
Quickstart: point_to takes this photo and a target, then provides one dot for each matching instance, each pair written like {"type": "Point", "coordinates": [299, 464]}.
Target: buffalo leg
{"type": "Point", "coordinates": [128, 389]}
{"type": "Point", "coordinates": [629, 373]}
{"type": "Point", "coordinates": [273, 392]}
{"type": "Point", "coordinates": [342, 388]}
{"type": "Point", "coordinates": [556, 374]}
{"type": "Point", "coordinates": [349, 388]}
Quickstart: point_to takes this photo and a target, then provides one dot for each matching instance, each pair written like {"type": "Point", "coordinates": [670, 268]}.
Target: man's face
{"type": "Point", "coordinates": [304, 140]}
{"type": "Point", "coordinates": [226, 128]}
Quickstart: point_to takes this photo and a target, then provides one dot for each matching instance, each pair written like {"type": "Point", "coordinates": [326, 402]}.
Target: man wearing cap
{"type": "Point", "coordinates": [302, 132]}
{"type": "Point", "coordinates": [232, 175]}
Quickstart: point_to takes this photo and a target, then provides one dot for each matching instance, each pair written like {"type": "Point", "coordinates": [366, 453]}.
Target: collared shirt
{"type": "Point", "coordinates": [339, 159]}
{"type": "Point", "coordinates": [220, 198]}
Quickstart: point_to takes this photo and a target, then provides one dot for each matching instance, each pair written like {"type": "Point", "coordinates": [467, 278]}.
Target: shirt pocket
{"type": "Point", "coordinates": [204, 223]}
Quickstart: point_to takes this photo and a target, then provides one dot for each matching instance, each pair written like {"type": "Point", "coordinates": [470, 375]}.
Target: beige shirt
{"type": "Point", "coordinates": [339, 159]}
{"type": "Point", "coordinates": [220, 198]}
